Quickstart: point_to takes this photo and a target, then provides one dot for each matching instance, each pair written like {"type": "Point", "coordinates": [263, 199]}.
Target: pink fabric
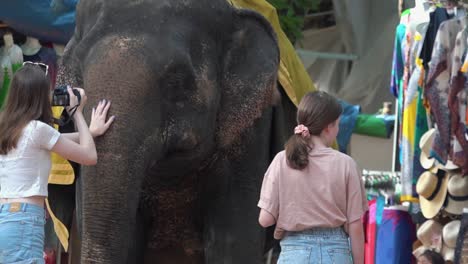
{"type": "Point", "coordinates": [327, 193]}
{"type": "Point", "coordinates": [371, 233]}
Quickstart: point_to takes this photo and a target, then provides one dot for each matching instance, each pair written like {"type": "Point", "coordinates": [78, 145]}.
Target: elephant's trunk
{"type": "Point", "coordinates": [110, 190]}
{"type": "Point", "coordinates": [107, 204]}
{"type": "Point", "coordinates": [109, 199]}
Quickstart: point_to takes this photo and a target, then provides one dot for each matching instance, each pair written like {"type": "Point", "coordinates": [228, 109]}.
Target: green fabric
{"type": "Point", "coordinates": [16, 66]}
{"type": "Point", "coordinates": [4, 87]}
{"type": "Point", "coordinates": [370, 125]}
{"type": "Point", "coordinates": [6, 82]}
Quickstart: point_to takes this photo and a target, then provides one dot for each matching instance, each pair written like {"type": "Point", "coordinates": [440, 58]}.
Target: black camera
{"type": "Point", "coordinates": [61, 97]}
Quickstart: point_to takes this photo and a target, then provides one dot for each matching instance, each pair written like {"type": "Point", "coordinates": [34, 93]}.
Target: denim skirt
{"type": "Point", "coordinates": [21, 233]}
{"type": "Point", "coordinates": [316, 246]}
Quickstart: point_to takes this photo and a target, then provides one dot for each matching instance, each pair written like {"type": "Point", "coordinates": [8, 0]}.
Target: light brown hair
{"type": "Point", "coordinates": [315, 111]}
{"type": "Point", "coordinates": [28, 99]}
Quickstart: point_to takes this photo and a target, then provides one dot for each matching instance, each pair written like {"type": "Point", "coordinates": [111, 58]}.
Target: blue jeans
{"type": "Point", "coordinates": [316, 246]}
{"type": "Point", "coordinates": [21, 233]}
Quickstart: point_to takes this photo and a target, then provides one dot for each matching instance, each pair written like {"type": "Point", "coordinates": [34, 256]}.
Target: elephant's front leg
{"type": "Point", "coordinates": [232, 233]}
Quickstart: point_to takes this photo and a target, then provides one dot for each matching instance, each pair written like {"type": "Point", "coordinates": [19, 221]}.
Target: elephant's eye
{"type": "Point", "coordinates": [177, 83]}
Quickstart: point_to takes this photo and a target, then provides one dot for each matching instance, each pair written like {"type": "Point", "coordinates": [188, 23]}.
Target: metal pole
{"type": "Point", "coordinates": [326, 55]}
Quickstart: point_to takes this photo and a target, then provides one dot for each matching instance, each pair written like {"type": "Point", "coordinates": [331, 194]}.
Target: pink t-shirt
{"type": "Point", "coordinates": [327, 193]}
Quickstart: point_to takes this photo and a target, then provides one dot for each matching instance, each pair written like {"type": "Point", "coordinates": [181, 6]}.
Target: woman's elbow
{"type": "Point", "coordinates": [264, 223]}
{"type": "Point", "coordinates": [91, 160]}
{"type": "Point", "coordinates": [265, 219]}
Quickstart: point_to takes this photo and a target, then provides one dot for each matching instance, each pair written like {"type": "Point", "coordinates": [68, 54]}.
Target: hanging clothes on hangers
{"type": "Point", "coordinates": [11, 52]}
{"type": "Point", "coordinates": [437, 85]}
{"type": "Point", "coordinates": [413, 129]}
{"type": "Point", "coordinates": [457, 100]}
{"type": "Point", "coordinates": [5, 75]}
{"type": "Point", "coordinates": [395, 237]}
{"type": "Point", "coordinates": [437, 17]}
{"type": "Point", "coordinates": [35, 52]}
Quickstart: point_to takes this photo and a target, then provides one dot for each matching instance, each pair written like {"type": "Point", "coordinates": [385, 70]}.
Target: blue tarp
{"type": "Point", "coordinates": [47, 20]}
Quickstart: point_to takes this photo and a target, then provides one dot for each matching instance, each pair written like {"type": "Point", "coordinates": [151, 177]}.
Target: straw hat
{"type": "Point", "coordinates": [449, 235]}
{"type": "Point", "coordinates": [430, 235]}
{"type": "Point", "coordinates": [448, 253]}
{"type": "Point", "coordinates": [419, 251]}
{"type": "Point", "coordinates": [449, 165]}
{"type": "Point", "coordinates": [427, 162]}
{"type": "Point", "coordinates": [426, 144]}
{"type": "Point", "coordinates": [457, 188]}
{"type": "Point", "coordinates": [432, 190]}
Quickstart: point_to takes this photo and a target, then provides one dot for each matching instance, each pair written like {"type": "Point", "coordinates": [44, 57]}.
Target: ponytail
{"type": "Point", "coordinates": [315, 111]}
{"type": "Point", "coordinates": [297, 151]}
{"type": "Point", "coordinates": [297, 148]}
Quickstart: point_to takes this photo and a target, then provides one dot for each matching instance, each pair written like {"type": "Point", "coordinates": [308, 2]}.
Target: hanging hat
{"type": "Point", "coordinates": [450, 233]}
{"type": "Point", "coordinates": [426, 144]}
{"type": "Point", "coordinates": [449, 165]}
{"type": "Point", "coordinates": [427, 162]}
{"type": "Point", "coordinates": [432, 190]}
{"type": "Point", "coordinates": [448, 253]}
{"type": "Point", "coordinates": [457, 194]}
{"type": "Point", "coordinates": [419, 251]}
{"type": "Point", "coordinates": [430, 235]}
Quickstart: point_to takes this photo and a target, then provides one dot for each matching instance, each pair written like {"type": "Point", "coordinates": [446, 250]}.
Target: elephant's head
{"type": "Point", "coordinates": [186, 78]}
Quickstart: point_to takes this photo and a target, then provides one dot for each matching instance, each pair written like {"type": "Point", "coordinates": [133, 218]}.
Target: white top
{"type": "Point", "coordinates": [24, 171]}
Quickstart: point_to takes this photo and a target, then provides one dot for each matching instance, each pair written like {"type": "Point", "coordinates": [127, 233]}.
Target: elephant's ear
{"type": "Point", "coordinates": [249, 77]}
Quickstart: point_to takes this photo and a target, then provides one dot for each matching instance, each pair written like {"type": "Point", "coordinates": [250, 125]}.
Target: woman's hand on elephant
{"type": "Point", "coordinates": [99, 125]}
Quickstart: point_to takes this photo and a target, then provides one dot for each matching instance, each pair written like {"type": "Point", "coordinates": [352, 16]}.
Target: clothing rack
{"type": "Point", "coordinates": [380, 179]}
{"type": "Point", "coordinates": [369, 173]}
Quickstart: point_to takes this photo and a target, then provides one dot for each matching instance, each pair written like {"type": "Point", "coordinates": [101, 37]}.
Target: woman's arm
{"type": "Point", "coordinates": [83, 152]}
{"type": "Point", "coordinates": [356, 234]}
{"type": "Point", "coordinates": [265, 219]}
{"type": "Point", "coordinates": [98, 125]}
{"type": "Point", "coordinates": [75, 136]}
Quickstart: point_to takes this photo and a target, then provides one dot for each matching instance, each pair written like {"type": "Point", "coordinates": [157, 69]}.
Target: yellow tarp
{"type": "Point", "coordinates": [291, 74]}
{"type": "Point", "coordinates": [61, 173]}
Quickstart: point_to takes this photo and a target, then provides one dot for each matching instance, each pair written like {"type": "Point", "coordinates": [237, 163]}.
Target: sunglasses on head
{"type": "Point", "coordinates": [43, 66]}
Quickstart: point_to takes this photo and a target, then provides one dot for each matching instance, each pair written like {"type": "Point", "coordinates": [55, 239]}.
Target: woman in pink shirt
{"type": "Point", "coordinates": [313, 193]}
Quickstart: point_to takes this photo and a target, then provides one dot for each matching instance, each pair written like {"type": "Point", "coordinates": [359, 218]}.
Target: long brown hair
{"type": "Point", "coordinates": [28, 99]}
{"type": "Point", "coordinates": [315, 111]}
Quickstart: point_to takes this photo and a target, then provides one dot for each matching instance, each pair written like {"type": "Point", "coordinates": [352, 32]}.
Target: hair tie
{"type": "Point", "coordinates": [302, 130]}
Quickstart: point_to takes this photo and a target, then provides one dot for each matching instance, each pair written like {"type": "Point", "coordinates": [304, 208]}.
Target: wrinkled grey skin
{"type": "Point", "coordinates": [199, 116]}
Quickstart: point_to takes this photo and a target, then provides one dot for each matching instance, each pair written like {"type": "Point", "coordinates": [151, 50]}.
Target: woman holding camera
{"type": "Point", "coordinates": [26, 141]}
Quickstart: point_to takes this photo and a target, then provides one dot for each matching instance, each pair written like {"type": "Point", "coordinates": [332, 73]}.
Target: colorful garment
{"type": "Point", "coordinates": [7, 76]}
{"type": "Point", "coordinates": [411, 167]}
{"type": "Point", "coordinates": [398, 62]}
{"type": "Point", "coordinates": [457, 103]}
{"type": "Point", "coordinates": [421, 127]}
{"type": "Point", "coordinates": [370, 234]}
{"type": "Point", "coordinates": [395, 237]}
{"type": "Point", "coordinates": [435, 19]}
{"type": "Point", "coordinates": [437, 88]}
{"type": "Point", "coordinates": [11, 60]}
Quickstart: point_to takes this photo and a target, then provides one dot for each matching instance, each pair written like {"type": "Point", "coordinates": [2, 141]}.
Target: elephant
{"type": "Point", "coordinates": [199, 117]}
